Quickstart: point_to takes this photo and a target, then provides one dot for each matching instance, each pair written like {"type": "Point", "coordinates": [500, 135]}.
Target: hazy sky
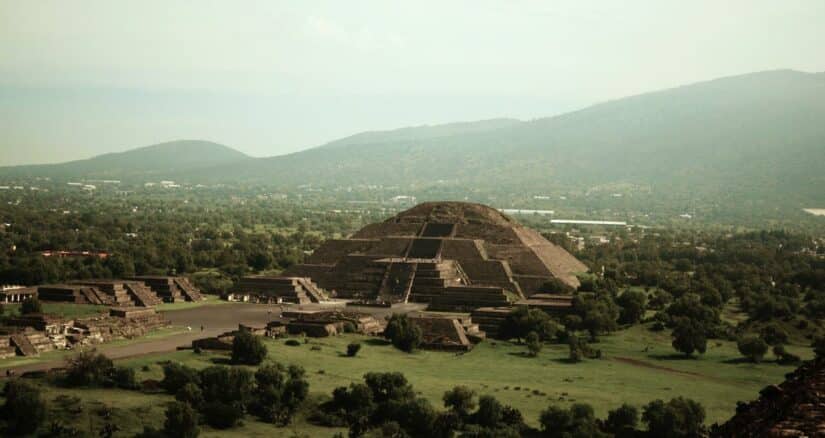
{"type": "Point", "coordinates": [81, 78]}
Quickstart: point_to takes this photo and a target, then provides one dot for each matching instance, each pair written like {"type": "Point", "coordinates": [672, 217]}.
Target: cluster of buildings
{"type": "Point", "coordinates": [132, 312]}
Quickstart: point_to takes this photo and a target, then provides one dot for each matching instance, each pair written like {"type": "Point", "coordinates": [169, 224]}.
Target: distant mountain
{"type": "Point", "coordinates": [759, 135]}
{"type": "Point", "coordinates": [163, 160]}
{"type": "Point", "coordinates": [752, 137]}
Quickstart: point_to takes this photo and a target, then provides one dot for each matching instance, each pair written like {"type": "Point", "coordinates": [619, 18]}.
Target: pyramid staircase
{"type": "Point", "coordinates": [298, 290]}
{"type": "Point", "coordinates": [141, 294]}
{"type": "Point", "coordinates": [23, 345]}
{"type": "Point", "coordinates": [468, 298]}
{"type": "Point", "coordinates": [432, 278]}
{"type": "Point", "coordinates": [189, 291]}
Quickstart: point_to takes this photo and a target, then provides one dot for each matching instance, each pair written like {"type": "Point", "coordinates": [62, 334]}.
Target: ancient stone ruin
{"type": "Point", "coordinates": [124, 293]}
{"type": "Point", "coordinates": [30, 335]}
{"type": "Point", "coordinates": [794, 408]}
{"type": "Point", "coordinates": [455, 256]}
{"type": "Point", "coordinates": [263, 289]}
{"type": "Point", "coordinates": [170, 289]}
{"type": "Point", "coordinates": [447, 333]}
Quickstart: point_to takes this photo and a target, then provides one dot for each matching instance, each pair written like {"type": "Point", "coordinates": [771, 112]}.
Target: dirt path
{"type": "Point", "coordinates": [643, 364]}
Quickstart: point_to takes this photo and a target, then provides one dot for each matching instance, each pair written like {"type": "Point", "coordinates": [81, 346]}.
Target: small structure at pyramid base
{"type": "Point", "coordinates": [447, 333]}
{"type": "Point", "coordinates": [266, 289]}
{"type": "Point", "coordinates": [456, 256]}
{"type": "Point", "coordinates": [74, 293]}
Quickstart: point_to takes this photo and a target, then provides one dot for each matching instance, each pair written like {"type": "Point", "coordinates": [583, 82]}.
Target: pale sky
{"type": "Point", "coordinates": [80, 78]}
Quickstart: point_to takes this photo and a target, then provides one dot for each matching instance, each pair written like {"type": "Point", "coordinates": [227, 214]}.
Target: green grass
{"type": "Point", "coordinates": [64, 310]}
{"type": "Point", "coordinates": [717, 379]}
{"type": "Point", "coordinates": [637, 366]}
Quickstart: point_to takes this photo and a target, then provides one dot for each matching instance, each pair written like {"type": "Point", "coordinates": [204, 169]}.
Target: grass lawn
{"type": "Point", "coordinates": [626, 373]}
{"type": "Point", "coordinates": [65, 310]}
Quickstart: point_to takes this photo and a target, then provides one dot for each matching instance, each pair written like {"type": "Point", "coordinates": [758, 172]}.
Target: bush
{"type": "Point", "coordinates": [521, 321]}
{"type": "Point", "coordinates": [279, 392]}
{"type": "Point", "coordinates": [533, 343]}
{"type": "Point", "coordinates": [222, 415]}
{"type": "Point", "coordinates": [25, 409]}
{"type": "Point", "coordinates": [353, 349]}
{"type": "Point", "coordinates": [190, 394]}
{"type": "Point", "coordinates": [633, 304]}
{"type": "Point", "coordinates": [680, 417]}
{"type": "Point", "coordinates": [89, 368]}
{"type": "Point", "coordinates": [31, 305]}
{"type": "Point", "coordinates": [403, 333]}
{"type": "Point", "coordinates": [248, 349]}
{"type": "Point", "coordinates": [349, 327]}
{"type": "Point", "coordinates": [293, 343]}
{"type": "Point", "coordinates": [176, 376]}
{"type": "Point", "coordinates": [579, 420]}
{"type": "Point", "coordinates": [124, 377]}
{"type": "Point", "coordinates": [752, 348]}
{"type": "Point", "coordinates": [460, 400]}
{"type": "Point", "coordinates": [181, 421]}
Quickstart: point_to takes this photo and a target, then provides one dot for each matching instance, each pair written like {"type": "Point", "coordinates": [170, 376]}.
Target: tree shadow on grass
{"type": "Point", "coordinates": [221, 360]}
{"type": "Point", "coordinates": [739, 360]}
{"type": "Point", "coordinates": [566, 360]}
{"type": "Point", "coordinates": [376, 342]}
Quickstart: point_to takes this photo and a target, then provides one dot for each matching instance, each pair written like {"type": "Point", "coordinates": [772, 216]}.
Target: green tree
{"type": "Point", "coordinates": [533, 343]}
{"type": "Point", "coordinates": [190, 394]}
{"type": "Point", "coordinates": [752, 347]}
{"type": "Point", "coordinates": [622, 421]}
{"type": "Point", "coordinates": [460, 400]}
{"type": "Point", "coordinates": [31, 306]}
{"type": "Point", "coordinates": [248, 349]}
{"type": "Point", "coordinates": [89, 368]}
{"type": "Point", "coordinates": [678, 418]}
{"type": "Point", "coordinates": [403, 333]}
{"type": "Point", "coordinates": [633, 304]}
{"type": "Point", "coordinates": [25, 409]}
{"type": "Point", "coordinates": [689, 337]}
{"type": "Point", "coordinates": [181, 421]}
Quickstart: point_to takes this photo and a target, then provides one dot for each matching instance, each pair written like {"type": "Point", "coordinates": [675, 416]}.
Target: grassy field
{"type": "Point", "coordinates": [637, 366]}
{"type": "Point", "coordinates": [66, 310]}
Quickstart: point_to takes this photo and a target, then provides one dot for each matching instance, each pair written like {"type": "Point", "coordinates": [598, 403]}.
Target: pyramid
{"type": "Point", "coordinates": [441, 252]}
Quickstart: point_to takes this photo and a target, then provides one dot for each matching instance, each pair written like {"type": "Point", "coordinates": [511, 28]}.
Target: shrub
{"type": "Point", "coordinates": [460, 400]}
{"type": "Point", "coordinates": [25, 409]}
{"type": "Point", "coordinates": [31, 305]}
{"type": "Point", "coordinates": [248, 349]}
{"type": "Point", "coordinates": [124, 377]}
{"type": "Point", "coordinates": [579, 420]}
{"type": "Point", "coordinates": [349, 327]}
{"type": "Point", "coordinates": [403, 333]}
{"type": "Point", "coordinates": [533, 343]}
{"type": "Point", "coordinates": [293, 343]}
{"type": "Point", "coordinates": [190, 394]}
{"type": "Point", "coordinates": [752, 348]}
{"type": "Point", "coordinates": [222, 415]}
{"type": "Point", "coordinates": [176, 376]}
{"type": "Point", "coordinates": [89, 368]}
{"type": "Point", "coordinates": [353, 348]}
{"type": "Point", "coordinates": [181, 421]}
